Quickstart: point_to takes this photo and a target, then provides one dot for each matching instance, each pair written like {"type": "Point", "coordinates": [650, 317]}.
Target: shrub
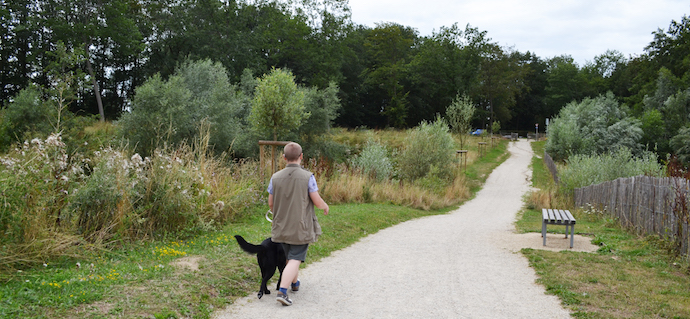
{"type": "Point", "coordinates": [593, 126]}
{"type": "Point", "coordinates": [374, 161]}
{"type": "Point", "coordinates": [429, 144]}
{"type": "Point", "coordinates": [681, 144]}
{"type": "Point", "coordinates": [171, 111]}
{"type": "Point", "coordinates": [37, 177]}
{"type": "Point", "coordinates": [27, 113]}
{"type": "Point", "coordinates": [585, 170]}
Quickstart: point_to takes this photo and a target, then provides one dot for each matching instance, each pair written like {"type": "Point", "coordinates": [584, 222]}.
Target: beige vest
{"type": "Point", "coordinates": [294, 220]}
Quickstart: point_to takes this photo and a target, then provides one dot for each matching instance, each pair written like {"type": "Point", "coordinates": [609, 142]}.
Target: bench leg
{"type": "Point", "coordinates": [572, 235]}
{"type": "Point", "coordinates": [543, 231]}
{"type": "Point", "coordinates": [566, 231]}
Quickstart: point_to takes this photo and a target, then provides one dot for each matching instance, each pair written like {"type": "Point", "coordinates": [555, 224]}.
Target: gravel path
{"type": "Point", "coordinates": [459, 265]}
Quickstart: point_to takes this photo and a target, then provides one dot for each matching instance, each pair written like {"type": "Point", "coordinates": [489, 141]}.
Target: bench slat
{"type": "Point", "coordinates": [558, 217]}
{"type": "Point", "coordinates": [570, 216]}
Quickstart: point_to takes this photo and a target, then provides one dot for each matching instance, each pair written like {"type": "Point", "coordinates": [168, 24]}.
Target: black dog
{"type": "Point", "coordinates": [270, 256]}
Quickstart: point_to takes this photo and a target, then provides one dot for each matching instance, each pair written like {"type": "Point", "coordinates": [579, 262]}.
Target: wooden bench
{"type": "Point", "coordinates": [558, 217]}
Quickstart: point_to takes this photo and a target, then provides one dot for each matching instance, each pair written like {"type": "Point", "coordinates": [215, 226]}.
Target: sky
{"type": "Point", "coordinates": [582, 29]}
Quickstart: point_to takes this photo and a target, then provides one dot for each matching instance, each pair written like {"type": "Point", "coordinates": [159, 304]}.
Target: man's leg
{"type": "Point", "coordinates": [290, 273]}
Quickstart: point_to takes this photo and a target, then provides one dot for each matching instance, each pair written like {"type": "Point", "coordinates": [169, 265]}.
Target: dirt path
{"type": "Point", "coordinates": [459, 265]}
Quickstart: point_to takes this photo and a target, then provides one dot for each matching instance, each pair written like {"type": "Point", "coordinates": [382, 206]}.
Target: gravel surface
{"type": "Point", "coordinates": [459, 265]}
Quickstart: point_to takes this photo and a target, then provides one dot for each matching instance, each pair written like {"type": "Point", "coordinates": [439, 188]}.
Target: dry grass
{"type": "Point", "coordinates": [351, 187]}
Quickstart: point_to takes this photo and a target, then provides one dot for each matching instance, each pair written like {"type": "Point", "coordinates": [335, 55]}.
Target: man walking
{"type": "Point", "coordinates": [292, 195]}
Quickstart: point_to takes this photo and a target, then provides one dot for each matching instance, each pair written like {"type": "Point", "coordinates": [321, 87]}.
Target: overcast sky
{"type": "Point", "coordinates": [548, 28]}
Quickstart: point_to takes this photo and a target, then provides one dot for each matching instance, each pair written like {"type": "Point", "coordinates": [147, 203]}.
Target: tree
{"type": "Point", "coordinates": [672, 105]}
{"type": "Point", "coordinates": [501, 79]}
{"type": "Point", "coordinates": [65, 81]}
{"type": "Point", "coordinates": [565, 83]}
{"type": "Point", "coordinates": [390, 45]}
{"type": "Point", "coordinates": [459, 115]}
{"type": "Point", "coordinates": [444, 65]}
{"type": "Point", "coordinates": [19, 39]}
{"type": "Point", "coordinates": [278, 104]}
{"type": "Point", "coordinates": [529, 106]}
{"type": "Point", "coordinates": [671, 49]}
{"type": "Point", "coordinates": [322, 107]}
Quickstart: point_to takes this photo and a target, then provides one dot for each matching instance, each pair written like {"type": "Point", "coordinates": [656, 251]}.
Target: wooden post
{"type": "Point", "coordinates": [273, 145]}
{"type": "Point", "coordinates": [482, 148]}
{"type": "Point", "coordinates": [463, 158]}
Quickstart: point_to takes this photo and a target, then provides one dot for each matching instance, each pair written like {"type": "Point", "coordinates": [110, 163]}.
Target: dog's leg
{"type": "Point", "coordinates": [265, 276]}
{"type": "Point", "coordinates": [281, 266]}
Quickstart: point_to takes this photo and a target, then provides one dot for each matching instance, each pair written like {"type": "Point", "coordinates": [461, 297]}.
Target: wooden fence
{"type": "Point", "coordinates": [552, 166]}
{"type": "Point", "coordinates": [645, 204]}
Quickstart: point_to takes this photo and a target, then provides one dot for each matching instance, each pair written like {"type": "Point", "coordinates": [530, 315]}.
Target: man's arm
{"type": "Point", "coordinates": [270, 202]}
{"type": "Point", "coordinates": [316, 198]}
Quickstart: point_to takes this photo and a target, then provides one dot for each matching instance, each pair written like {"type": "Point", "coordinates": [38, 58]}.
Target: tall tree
{"type": "Point", "coordinates": [671, 49]}
{"type": "Point", "coordinates": [565, 83]}
{"type": "Point", "coordinates": [390, 46]}
{"type": "Point", "coordinates": [447, 63]}
{"type": "Point", "coordinates": [530, 107]}
{"type": "Point", "coordinates": [501, 80]}
{"type": "Point", "coordinates": [20, 41]}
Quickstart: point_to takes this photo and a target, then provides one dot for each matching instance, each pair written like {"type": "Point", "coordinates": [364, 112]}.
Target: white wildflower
{"type": "Point", "coordinates": [136, 159]}
{"type": "Point", "coordinates": [219, 205]}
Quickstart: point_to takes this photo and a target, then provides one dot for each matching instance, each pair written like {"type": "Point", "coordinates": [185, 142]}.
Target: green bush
{"type": "Point", "coordinates": [171, 112]}
{"type": "Point", "coordinates": [374, 161]}
{"type": "Point", "coordinates": [594, 126]}
{"type": "Point", "coordinates": [681, 144]}
{"type": "Point", "coordinates": [585, 170]}
{"type": "Point", "coordinates": [427, 145]}
{"type": "Point", "coordinates": [26, 113]}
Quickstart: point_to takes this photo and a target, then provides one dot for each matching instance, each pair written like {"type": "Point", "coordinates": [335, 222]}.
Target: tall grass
{"type": "Point", "coordinates": [54, 204]}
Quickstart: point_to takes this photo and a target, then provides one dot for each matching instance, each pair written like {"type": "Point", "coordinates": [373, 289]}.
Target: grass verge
{"type": "Point", "coordinates": [628, 277]}
{"type": "Point", "coordinates": [172, 278]}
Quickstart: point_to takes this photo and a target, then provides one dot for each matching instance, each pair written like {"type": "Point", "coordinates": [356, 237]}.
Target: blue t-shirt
{"type": "Point", "coordinates": [312, 185]}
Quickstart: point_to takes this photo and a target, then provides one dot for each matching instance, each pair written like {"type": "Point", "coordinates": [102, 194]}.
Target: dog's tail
{"type": "Point", "coordinates": [249, 247]}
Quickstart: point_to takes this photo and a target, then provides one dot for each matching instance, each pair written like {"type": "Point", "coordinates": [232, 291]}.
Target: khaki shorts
{"type": "Point", "coordinates": [295, 252]}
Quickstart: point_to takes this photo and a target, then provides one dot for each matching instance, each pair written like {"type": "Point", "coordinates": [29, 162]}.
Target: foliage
{"type": "Point", "coordinates": [322, 107]}
{"type": "Point", "coordinates": [681, 144]}
{"type": "Point", "coordinates": [593, 126]}
{"type": "Point", "coordinates": [374, 161]}
{"type": "Point", "coordinates": [27, 113]}
{"type": "Point", "coordinates": [278, 105]}
{"type": "Point", "coordinates": [428, 145]}
{"type": "Point", "coordinates": [565, 82]}
{"type": "Point", "coordinates": [584, 170]}
{"type": "Point", "coordinates": [54, 200]}
{"type": "Point", "coordinates": [171, 112]}
{"type": "Point", "coordinates": [389, 46]}
{"type": "Point", "coordinates": [496, 127]}
{"type": "Point", "coordinates": [459, 115]}
{"type": "Point", "coordinates": [672, 104]}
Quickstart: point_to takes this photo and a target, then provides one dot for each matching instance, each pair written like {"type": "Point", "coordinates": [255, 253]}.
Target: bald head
{"type": "Point", "coordinates": [292, 152]}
